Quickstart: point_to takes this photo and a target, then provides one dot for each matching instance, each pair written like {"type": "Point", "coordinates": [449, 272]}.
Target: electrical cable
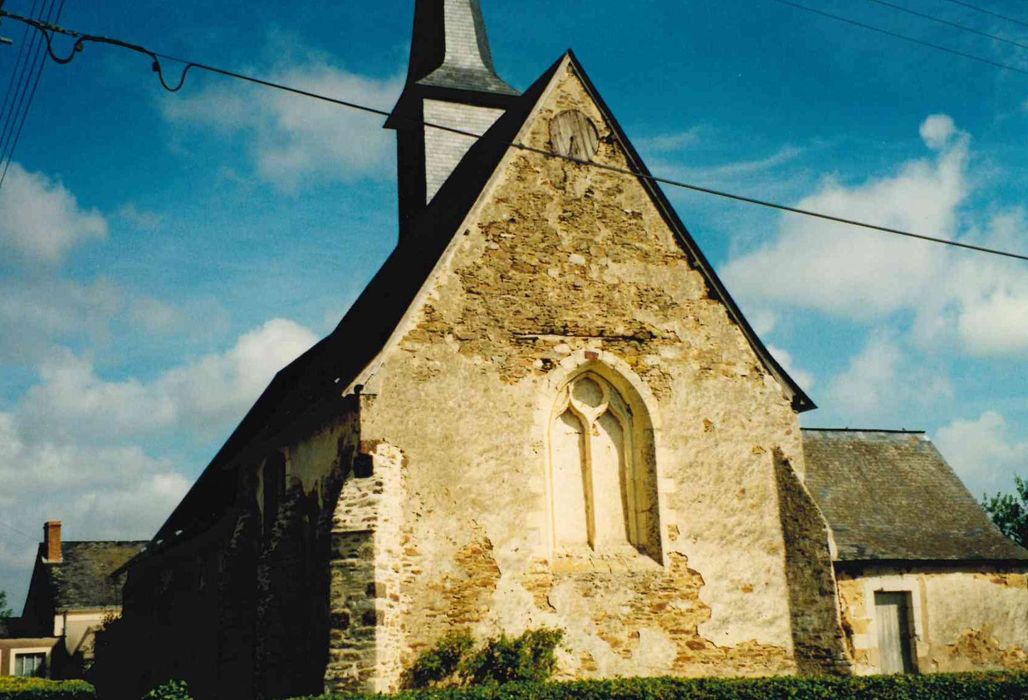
{"type": "Point", "coordinates": [21, 79]}
{"type": "Point", "coordinates": [28, 105]}
{"type": "Point", "coordinates": [23, 534]}
{"type": "Point", "coordinates": [903, 37]}
{"type": "Point", "coordinates": [948, 23]}
{"type": "Point", "coordinates": [985, 11]}
{"type": "Point", "coordinates": [81, 39]}
{"type": "Point", "coordinates": [19, 61]}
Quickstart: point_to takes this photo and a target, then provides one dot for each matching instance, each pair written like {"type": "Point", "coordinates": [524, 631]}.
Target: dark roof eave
{"type": "Point", "coordinates": [955, 562]}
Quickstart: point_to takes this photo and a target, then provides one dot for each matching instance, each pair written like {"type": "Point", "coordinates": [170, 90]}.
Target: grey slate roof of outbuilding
{"type": "Point", "coordinates": [890, 496]}
{"type": "Point", "coordinates": [83, 579]}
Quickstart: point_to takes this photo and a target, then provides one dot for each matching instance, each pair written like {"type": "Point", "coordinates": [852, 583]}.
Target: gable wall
{"type": "Point", "coordinates": [558, 261]}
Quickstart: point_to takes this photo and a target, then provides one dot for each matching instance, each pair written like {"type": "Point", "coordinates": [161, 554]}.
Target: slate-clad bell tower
{"type": "Point", "coordinates": [451, 82]}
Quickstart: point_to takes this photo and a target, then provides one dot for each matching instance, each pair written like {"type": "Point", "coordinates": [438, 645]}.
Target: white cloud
{"type": "Point", "coordinates": [669, 142]}
{"type": "Point", "coordinates": [71, 448]}
{"type": "Point", "coordinates": [148, 221]}
{"type": "Point", "coordinates": [965, 299]}
{"type": "Point", "coordinates": [41, 220]}
{"type": "Point", "coordinates": [937, 130]}
{"type": "Point", "coordinates": [73, 403]}
{"type": "Point", "coordinates": [296, 138]}
{"type": "Point", "coordinates": [803, 378]}
{"type": "Point", "coordinates": [984, 452]}
{"type": "Point", "coordinates": [879, 380]}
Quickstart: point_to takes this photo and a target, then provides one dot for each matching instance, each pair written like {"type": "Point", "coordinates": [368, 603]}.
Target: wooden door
{"type": "Point", "coordinates": [895, 647]}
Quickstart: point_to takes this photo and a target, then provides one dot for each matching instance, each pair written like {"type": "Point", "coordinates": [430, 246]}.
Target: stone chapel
{"type": "Point", "coordinates": [546, 410]}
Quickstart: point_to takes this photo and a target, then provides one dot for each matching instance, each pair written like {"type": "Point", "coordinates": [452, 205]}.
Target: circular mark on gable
{"type": "Point", "coordinates": [572, 134]}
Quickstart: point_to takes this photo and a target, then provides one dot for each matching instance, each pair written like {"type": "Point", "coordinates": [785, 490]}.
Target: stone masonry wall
{"type": "Point", "coordinates": [561, 266]}
{"type": "Point", "coordinates": [963, 620]}
{"type": "Point", "coordinates": [364, 595]}
{"type": "Point", "coordinates": [813, 603]}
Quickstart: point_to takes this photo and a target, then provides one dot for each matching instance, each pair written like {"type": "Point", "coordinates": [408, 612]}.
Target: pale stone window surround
{"type": "Point", "coordinates": [15, 653]}
{"type": "Point", "coordinates": [899, 583]}
{"type": "Point", "coordinates": [645, 430]}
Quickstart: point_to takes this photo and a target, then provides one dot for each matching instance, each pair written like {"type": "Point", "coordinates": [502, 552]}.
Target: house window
{"type": "Point", "coordinates": [30, 664]}
{"type": "Point", "coordinates": [602, 478]}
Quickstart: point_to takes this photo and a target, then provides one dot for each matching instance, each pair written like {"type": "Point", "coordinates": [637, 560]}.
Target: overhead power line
{"type": "Point", "coordinates": [948, 23]}
{"type": "Point", "coordinates": [47, 30]}
{"type": "Point", "coordinates": [27, 536]}
{"type": "Point", "coordinates": [903, 37]}
{"type": "Point", "coordinates": [21, 76]}
{"type": "Point", "coordinates": [985, 11]}
{"type": "Point", "coordinates": [18, 122]}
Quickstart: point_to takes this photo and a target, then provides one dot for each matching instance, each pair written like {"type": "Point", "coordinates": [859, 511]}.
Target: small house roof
{"type": "Point", "coordinates": [890, 496]}
{"type": "Point", "coordinates": [83, 578]}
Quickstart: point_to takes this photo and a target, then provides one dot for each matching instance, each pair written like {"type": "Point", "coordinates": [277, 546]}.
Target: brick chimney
{"type": "Point", "coordinates": [52, 541]}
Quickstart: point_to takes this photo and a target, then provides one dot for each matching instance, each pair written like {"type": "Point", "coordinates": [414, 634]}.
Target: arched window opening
{"type": "Point", "coordinates": [602, 475]}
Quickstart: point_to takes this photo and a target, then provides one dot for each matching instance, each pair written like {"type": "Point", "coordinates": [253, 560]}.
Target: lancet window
{"type": "Point", "coordinates": [602, 482]}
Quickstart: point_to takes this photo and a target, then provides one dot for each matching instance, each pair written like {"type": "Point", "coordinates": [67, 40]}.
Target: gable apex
{"type": "Point", "coordinates": [801, 402]}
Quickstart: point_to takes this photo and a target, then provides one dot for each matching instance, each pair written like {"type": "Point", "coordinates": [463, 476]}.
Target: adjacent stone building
{"type": "Point", "coordinates": [544, 410]}
{"type": "Point", "coordinates": [75, 588]}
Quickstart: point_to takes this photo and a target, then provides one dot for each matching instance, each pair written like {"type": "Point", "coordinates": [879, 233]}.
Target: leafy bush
{"type": "Point", "coordinates": [12, 688]}
{"type": "Point", "coordinates": [963, 686]}
{"type": "Point", "coordinates": [172, 690]}
{"type": "Point", "coordinates": [453, 661]}
{"type": "Point", "coordinates": [1010, 511]}
{"type": "Point", "coordinates": [525, 659]}
{"type": "Point", "coordinates": [441, 662]}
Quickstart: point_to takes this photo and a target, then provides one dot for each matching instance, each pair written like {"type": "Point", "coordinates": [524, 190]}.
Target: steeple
{"type": "Point", "coordinates": [451, 82]}
{"type": "Point", "coordinates": [451, 48]}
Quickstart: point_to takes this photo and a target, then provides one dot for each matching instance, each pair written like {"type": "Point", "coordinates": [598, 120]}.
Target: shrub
{"type": "Point", "coordinates": [12, 688]}
{"type": "Point", "coordinates": [525, 659]}
{"type": "Point", "coordinates": [963, 686]}
{"type": "Point", "coordinates": [453, 661]}
{"type": "Point", "coordinates": [441, 662]}
{"type": "Point", "coordinates": [172, 690]}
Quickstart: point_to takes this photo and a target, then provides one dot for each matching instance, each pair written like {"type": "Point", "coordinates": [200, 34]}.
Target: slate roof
{"type": "Point", "coordinates": [83, 579]}
{"type": "Point", "coordinates": [451, 48]}
{"type": "Point", "coordinates": [890, 496]}
{"type": "Point", "coordinates": [13, 628]}
{"type": "Point", "coordinates": [314, 382]}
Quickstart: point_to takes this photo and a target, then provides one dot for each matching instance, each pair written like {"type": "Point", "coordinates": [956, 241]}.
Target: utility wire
{"type": "Point", "coordinates": [28, 105]}
{"type": "Point", "coordinates": [903, 37]}
{"type": "Point", "coordinates": [948, 23]}
{"type": "Point", "coordinates": [21, 77]}
{"type": "Point", "coordinates": [19, 61]}
{"type": "Point", "coordinates": [984, 11]}
{"type": "Point", "coordinates": [23, 534]}
{"type": "Point", "coordinates": [80, 39]}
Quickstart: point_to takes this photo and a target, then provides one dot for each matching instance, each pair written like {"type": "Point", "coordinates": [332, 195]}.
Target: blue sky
{"type": "Point", "coordinates": [162, 255]}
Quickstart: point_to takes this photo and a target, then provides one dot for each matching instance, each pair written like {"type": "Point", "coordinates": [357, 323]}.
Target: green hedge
{"type": "Point", "coordinates": [12, 688]}
{"type": "Point", "coordinates": [963, 686]}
